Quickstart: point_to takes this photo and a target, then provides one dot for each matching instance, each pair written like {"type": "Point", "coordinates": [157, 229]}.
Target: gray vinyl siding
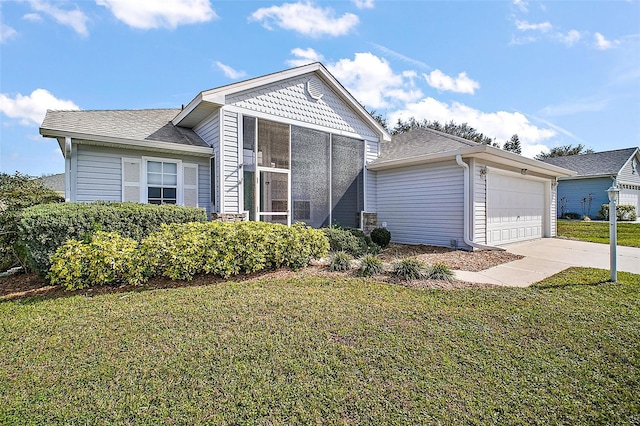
{"type": "Point", "coordinates": [209, 131]}
{"type": "Point", "coordinates": [230, 163]}
{"type": "Point", "coordinates": [371, 178]}
{"type": "Point", "coordinates": [99, 172]}
{"type": "Point", "coordinates": [479, 212]}
{"type": "Point", "coordinates": [422, 204]}
{"type": "Point", "coordinates": [576, 189]}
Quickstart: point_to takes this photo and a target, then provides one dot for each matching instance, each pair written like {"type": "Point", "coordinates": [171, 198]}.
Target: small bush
{"type": "Point", "coordinates": [624, 212]}
{"type": "Point", "coordinates": [410, 269]}
{"type": "Point", "coordinates": [106, 258]}
{"type": "Point", "coordinates": [371, 247]}
{"type": "Point", "coordinates": [340, 261]}
{"type": "Point", "coordinates": [44, 228]}
{"type": "Point", "coordinates": [570, 216]}
{"type": "Point", "coordinates": [370, 265]}
{"type": "Point", "coordinates": [381, 236]}
{"type": "Point", "coordinates": [345, 240]}
{"type": "Point", "coordinates": [440, 271]}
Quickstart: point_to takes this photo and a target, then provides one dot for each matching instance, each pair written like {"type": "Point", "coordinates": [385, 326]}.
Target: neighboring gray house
{"type": "Point", "coordinates": [295, 146]}
{"type": "Point", "coordinates": [54, 182]}
{"type": "Point", "coordinates": [595, 174]}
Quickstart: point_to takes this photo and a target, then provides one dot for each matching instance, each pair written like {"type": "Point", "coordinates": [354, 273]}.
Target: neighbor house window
{"type": "Point", "coordinates": [162, 182]}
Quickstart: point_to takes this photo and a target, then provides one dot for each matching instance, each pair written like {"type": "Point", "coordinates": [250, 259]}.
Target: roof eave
{"type": "Point", "coordinates": [128, 143]}
{"type": "Point", "coordinates": [479, 151]}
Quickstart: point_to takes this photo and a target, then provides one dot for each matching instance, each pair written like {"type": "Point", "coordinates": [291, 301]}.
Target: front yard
{"type": "Point", "coordinates": [332, 350]}
{"type": "Point", "coordinates": [598, 232]}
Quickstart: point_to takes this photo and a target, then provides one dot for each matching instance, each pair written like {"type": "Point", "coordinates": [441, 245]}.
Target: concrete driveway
{"type": "Point", "coordinates": [547, 256]}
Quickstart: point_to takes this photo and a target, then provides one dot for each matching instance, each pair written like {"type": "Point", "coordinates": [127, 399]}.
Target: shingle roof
{"type": "Point", "coordinates": [420, 142]}
{"type": "Point", "coordinates": [599, 163]}
{"type": "Point", "coordinates": [55, 182]}
{"type": "Point", "coordinates": [146, 124]}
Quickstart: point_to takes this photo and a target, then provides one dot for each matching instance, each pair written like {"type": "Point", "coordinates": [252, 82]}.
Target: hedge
{"type": "Point", "coordinates": [352, 241]}
{"type": "Point", "coordinates": [180, 251]}
{"type": "Point", "coordinates": [624, 212]}
{"type": "Point", "coordinates": [43, 229]}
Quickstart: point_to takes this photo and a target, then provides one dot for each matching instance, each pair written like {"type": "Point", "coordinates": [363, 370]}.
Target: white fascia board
{"type": "Point", "coordinates": [576, 177]}
{"type": "Point", "coordinates": [412, 161]}
{"type": "Point", "coordinates": [129, 143]}
{"type": "Point", "coordinates": [186, 110]}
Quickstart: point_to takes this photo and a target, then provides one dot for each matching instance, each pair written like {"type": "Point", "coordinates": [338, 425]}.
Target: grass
{"type": "Point", "coordinates": [598, 232]}
{"type": "Point", "coordinates": [313, 350]}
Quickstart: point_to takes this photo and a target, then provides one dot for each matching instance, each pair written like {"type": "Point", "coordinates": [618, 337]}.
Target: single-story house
{"type": "Point", "coordinates": [54, 182]}
{"type": "Point", "coordinates": [585, 192]}
{"type": "Point", "coordinates": [295, 146]}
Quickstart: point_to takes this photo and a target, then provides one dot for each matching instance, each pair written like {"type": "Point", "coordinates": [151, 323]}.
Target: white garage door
{"type": "Point", "coordinates": [515, 209]}
{"type": "Point", "coordinates": [630, 194]}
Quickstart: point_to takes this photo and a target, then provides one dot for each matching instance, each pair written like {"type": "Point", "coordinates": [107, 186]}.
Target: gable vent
{"type": "Point", "coordinates": [314, 89]}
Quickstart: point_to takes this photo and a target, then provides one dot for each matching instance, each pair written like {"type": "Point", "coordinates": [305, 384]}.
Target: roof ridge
{"type": "Point", "coordinates": [113, 110]}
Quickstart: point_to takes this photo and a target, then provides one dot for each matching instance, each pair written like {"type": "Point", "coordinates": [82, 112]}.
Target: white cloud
{"type": "Point", "coordinates": [304, 57]}
{"type": "Point", "coordinates": [601, 43]}
{"type": "Point", "coordinates": [364, 4]}
{"type": "Point", "coordinates": [33, 17]}
{"type": "Point", "coordinates": [372, 82]}
{"type": "Point", "coordinates": [305, 19]}
{"type": "Point", "coordinates": [75, 18]}
{"type": "Point", "coordinates": [149, 14]}
{"type": "Point", "coordinates": [31, 109]}
{"type": "Point", "coordinates": [522, 5]}
{"type": "Point", "coordinates": [461, 84]}
{"type": "Point", "coordinates": [526, 26]}
{"type": "Point", "coordinates": [230, 72]}
{"type": "Point", "coordinates": [569, 38]}
{"type": "Point", "coordinates": [6, 33]}
{"type": "Point", "coordinates": [500, 125]}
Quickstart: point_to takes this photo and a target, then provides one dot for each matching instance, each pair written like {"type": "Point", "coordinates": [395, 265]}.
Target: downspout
{"type": "Point", "coordinates": [466, 223]}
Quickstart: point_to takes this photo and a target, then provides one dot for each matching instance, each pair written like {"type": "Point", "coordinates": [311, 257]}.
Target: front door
{"type": "Point", "coordinates": [274, 195]}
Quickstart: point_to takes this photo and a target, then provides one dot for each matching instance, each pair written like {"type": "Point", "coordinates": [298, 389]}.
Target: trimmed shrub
{"type": "Point", "coordinates": [370, 265]}
{"type": "Point", "coordinates": [340, 261]}
{"type": "Point", "coordinates": [17, 192]}
{"type": "Point", "coordinates": [440, 271]}
{"type": "Point", "coordinates": [44, 228]}
{"type": "Point", "coordinates": [344, 240]}
{"type": "Point", "coordinates": [365, 240]}
{"type": "Point", "coordinates": [410, 269]}
{"type": "Point", "coordinates": [624, 212]}
{"type": "Point", "coordinates": [105, 259]}
{"type": "Point", "coordinates": [179, 251]}
{"type": "Point", "coordinates": [381, 236]}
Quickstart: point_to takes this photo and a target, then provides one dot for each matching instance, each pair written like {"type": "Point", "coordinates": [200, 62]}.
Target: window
{"type": "Point", "coordinates": [162, 182]}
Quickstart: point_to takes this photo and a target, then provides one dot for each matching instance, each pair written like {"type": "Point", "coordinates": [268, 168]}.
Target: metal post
{"type": "Point", "coordinates": [613, 240]}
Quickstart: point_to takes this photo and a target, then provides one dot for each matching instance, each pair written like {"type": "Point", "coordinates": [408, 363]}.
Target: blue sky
{"type": "Point", "coordinates": [553, 72]}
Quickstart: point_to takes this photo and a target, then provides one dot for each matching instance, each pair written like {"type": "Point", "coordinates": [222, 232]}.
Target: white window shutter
{"type": "Point", "coordinates": [131, 179]}
{"type": "Point", "coordinates": [190, 184]}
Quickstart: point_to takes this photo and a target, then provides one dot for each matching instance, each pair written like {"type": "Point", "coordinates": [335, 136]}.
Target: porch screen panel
{"type": "Point", "coordinates": [273, 144]}
{"type": "Point", "coordinates": [347, 180]}
{"type": "Point", "coordinates": [310, 180]}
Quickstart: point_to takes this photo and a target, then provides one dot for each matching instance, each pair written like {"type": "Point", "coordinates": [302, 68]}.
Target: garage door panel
{"type": "Point", "coordinates": [515, 209]}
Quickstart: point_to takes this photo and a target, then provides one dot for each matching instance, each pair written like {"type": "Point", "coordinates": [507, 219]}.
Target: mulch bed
{"type": "Point", "coordinates": [19, 286]}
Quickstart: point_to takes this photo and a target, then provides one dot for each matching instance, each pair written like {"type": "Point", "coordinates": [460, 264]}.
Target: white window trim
{"type": "Point", "coordinates": [144, 193]}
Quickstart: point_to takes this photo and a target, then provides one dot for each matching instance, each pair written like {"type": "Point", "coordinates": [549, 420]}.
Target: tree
{"type": "Point", "coordinates": [382, 120]}
{"type": "Point", "coordinates": [564, 151]}
{"type": "Point", "coordinates": [513, 145]}
{"type": "Point", "coordinates": [18, 192]}
{"type": "Point", "coordinates": [461, 130]}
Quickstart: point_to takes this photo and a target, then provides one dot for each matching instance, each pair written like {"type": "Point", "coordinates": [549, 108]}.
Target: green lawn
{"type": "Point", "coordinates": [314, 350]}
{"type": "Point", "coordinates": [598, 232]}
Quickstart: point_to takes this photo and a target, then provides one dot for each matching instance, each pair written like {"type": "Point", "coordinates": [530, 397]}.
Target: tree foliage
{"type": "Point", "coordinates": [18, 192]}
{"type": "Point", "coordinates": [461, 130]}
{"type": "Point", "coordinates": [513, 145]}
{"type": "Point", "coordinates": [564, 151]}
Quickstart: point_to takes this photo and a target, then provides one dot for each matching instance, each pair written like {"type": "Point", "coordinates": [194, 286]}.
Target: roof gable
{"type": "Point", "coordinates": [596, 164]}
{"type": "Point", "coordinates": [309, 94]}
